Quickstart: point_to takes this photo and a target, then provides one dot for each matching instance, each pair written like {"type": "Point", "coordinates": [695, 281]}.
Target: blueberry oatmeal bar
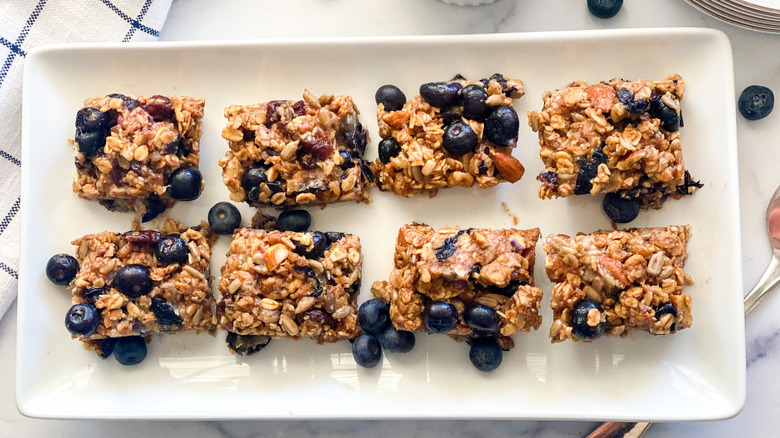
{"type": "Point", "coordinates": [138, 153]}
{"type": "Point", "coordinates": [455, 133]}
{"type": "Point", "coordinates": [473, 282]}
{"type": "Point", "coordinates": [616, 281]}
{"type": "Point", "coordinates": [141, 282]}
{"type": "Point", "coordinates": [289, 284]}
{"type": "Point", "coordinates": [617, 136]}
{"type": "Point", "coordinates": [286, 153]}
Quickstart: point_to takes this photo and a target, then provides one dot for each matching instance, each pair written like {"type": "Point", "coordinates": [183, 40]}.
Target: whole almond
{"type": "Point", "coordinates": [509, 167]}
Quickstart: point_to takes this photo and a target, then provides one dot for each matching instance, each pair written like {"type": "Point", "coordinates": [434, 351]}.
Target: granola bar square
{"type": "Point", "coordinates": [616, 281]}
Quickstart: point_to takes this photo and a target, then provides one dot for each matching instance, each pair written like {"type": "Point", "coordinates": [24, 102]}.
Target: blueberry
{"type": "Point", "coordinates": [90, 119]}
{"type": "Point", "coordinates": [666, 308]}
{"type": "Point", "coordinates": [388, 148]}
{"type": "Point", "coordinates": [579, 320]}
{"type": "Point", "coordinates": [274, 187]}
{"type": "Point", "coordinates": [357, 140]}
{"type": "Point", "coordinates": [637, 106]}
{"type": "Point", "coordinates": [246, 345]}
{"type": "Point", "coordinates": [482, 320]}
{"type": "Point", "coordinates": [374, 316]}
{"type": "Point", "coordinates": [106, 346]}
{"type": "Point", "coordinates": [440, 94]}
{"type": "Point", "coordinates": [756, 102]}
{"type": "Point", "coordinates": [130, 103]}
{"type": "Point", "coordinates": [448, 117]}
{"type": "Point", "coordinates": [620, 209]}
{"type": "Point", "coordinates": [317, 247]}
{"type": "Point", "coordinates": [293, 220]}
{"type": "Point", "coordinates": [473, 98]}
{"type": "Point", "coordinates": [508, 290]}
{"type": "Point", "coordinates": [486, 354]}
{"type": "Point", "coordinates": [133, 280]}
{"type": "Point", "coordinates": [459, 138]}
{"type": "Point", "coordinates": [348, 163]}
{"type": "Point", "coordinates": [90, 142]}
{"type": "Point", "coordinates": [82, 319]}
{"type": "Point", "coordinates": [254, 177]}
{"type": "Point", "coordinates": [185, 183]}
{"type": "Point", "coordinates": [670, 119]}
{"type": "Point", "coordinates": [367, 351]}
{"type": "Point", "coordinates": [130, 350]}
{"type": "Point", "coordinates": [391, 97]}
{"type": "Point", "coordinates": [165, 313]}
{"type": "Point", "coordinates": [93, 294]}
{"type": "Point", "coordinates": [587, 171]}
{"type": "Point", "coordinates": [333, 237]}
{"type": "Point", "coordinates": [172, 249]}
{"type": "Point", "coordinates": [440, 316]}
{"type": "Point", "coordinates": [501, 125]}
{"type": "Point", "coordinates": [224, 217]}
{"type": "Point", "coordinates": [396, 341]}
{"type": "Point", "coordinates": [154, 207]}
{"type": "Point", "coordinates": [604, 8]}
{"type": "Point", "coordinates": [61, 269]}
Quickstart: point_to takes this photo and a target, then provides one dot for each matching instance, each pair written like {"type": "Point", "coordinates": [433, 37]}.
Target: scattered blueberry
{"type": "Point", "coordinates": [501, 125]}
{"type": "Point", "coordinates": [473, 98]}
{"type": "Point", "coordinates": [670, 119]}
{"type": "Point", "coordinates": [61, 269]}
{"type": "Point", "coordinates": [293, 220]}
{"type": "Point", "coordinates": [459, 138]}
{"type": "Point", "coordinates": [348, 163]}
{"type": "Point", "coordinates": [388, 148]}
{"type": "Point", "coordinates": [224, 217]}
{"type": "Point", "coordinates": [172, 249]}
{"type": "Point", "coordinates": [666, 308]}
{"type": "Point", "coordinates": [106, 346]}
{"type": "Point", "coordinates": [374, 316]}
{"type": "Point", "coordinates": [82, 319]}
{"type": "Point", "coordinates": [626, 97]}
{"type": "Point", "coordinates": [130, 103]}
{"type": "Point", "coordinates": [185, 183]}
{"type": "Point", "coordinates": [579, 320]}
{"type": "Point", "coordinates": [756, 102]}
{"type": "Point", "coordinates": [317, 247]}
{"type": "Point", "coordinates": [254, 177]}
{"type": "Point", "coordinates": [164, 312]}
{"type": "Point", "coordinates": [391, 96]}
{"type": "Point", "coordinates": [507, 290]}
{"type": "Point", "coordinates": [90, 142]}
{"type": "Point", "coordinates": [90, 119]}
{"type": "Point", "coordinates": [396, 341]}
{"type": "Point", "coordinates": [588, 170]}
{"type": "Point", "coordinates": [357, 139]}
{"type": "Point", "coordinates": [448, 117]}
{"type": "Point", "coordinates": [154, 207]}
{"type": "Point", "coordinates": [130, 350]}
{"type": "Point", "coordinates": [483, 320]}
{"type": "Point", "coordinates": [333, 237]}
{"type": "Point", "coordinates": [604, 8]}
{"type": "Point", "coordinates": [367, 351]}
{"type": "Point", "coordinates": [439, 317]}
{"type": "Point", "coordinates": [246, 345]}
{"type": "Point", "coordinates": [133, 280]}
{"type": "Point", "coordinates": [440, 94]}
{"type": "Point", "coordinates": [93, 294]}
{"type": "Point", "coordinates": [620, 209]}
{"type": "Point", "coordinates": [486, 354]}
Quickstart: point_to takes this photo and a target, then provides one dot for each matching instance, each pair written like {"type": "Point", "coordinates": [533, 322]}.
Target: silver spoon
{"type": "Point", "coordinates": [770, 279]}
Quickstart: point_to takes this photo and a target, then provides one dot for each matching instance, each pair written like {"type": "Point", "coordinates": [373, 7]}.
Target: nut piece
{"type": "Point", "coordinates": [601, 96]}
{"type": "Point", "coordinates": [275, 256]}
{"type": "Point", "coordinates": [509, 166]}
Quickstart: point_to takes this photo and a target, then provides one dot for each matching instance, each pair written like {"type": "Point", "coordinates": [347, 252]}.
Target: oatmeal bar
{"type": "Point", "coordinates": [286, 153]}
{"type": "Point", "coordinates": [145, 282]}
{"type": "Point", "coordinates": [456, 133]}
{"type": "Point", "coordinates": [615, 281]}
{"type": "Point", "coordinates": [463, 267]}
{"type": "Point", "coordinates": [128, 148]}
{"type": "Point", "coordinates": [291, 284]}
{"type": "Point", "coordinates": [617, 136]}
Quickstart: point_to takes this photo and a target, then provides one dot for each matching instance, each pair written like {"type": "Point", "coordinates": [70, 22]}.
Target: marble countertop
{"type": "Point", "coordinates": [759, 149]}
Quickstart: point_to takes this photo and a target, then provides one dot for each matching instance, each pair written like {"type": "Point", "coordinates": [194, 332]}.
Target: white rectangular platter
{"type": "Point", "coordinates": [696, 374]}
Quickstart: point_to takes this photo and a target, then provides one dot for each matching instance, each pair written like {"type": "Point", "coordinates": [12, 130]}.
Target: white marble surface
{"type": "Point", "coordinates": [756, 62]}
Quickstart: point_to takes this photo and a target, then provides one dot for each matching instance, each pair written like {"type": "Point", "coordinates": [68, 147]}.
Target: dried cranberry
{"type": "Point", "coordinates": [142, 236]}
{"type": "Point", "coordinates": [308, 162]}
{"type": "Point", "coordinates": [299, 108]}
{"type": "Point", "coordinates": [318, 147]}
{"type": "Point", "coordinates": [136, 167]}
{"type": "Point", "coordinates": [159, 107]}
{"type": "Point", "coordinates": [318, 316]}
{"type": "Point", "coordinates": [272, 112]}
{"type": "Point", "coordinates": [173, 146]}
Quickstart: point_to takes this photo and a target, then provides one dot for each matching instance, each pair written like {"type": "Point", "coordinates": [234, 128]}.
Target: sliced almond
{"type": "Point", "coordinates": [275, 256]}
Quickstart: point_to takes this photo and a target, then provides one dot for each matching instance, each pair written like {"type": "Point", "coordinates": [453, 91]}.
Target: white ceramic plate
{"type": "Point", "coordinates": [698, 373]}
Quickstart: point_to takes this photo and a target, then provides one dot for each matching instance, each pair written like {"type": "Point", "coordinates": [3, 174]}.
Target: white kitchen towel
{"type": "Point", "coordinates": [25, 24]}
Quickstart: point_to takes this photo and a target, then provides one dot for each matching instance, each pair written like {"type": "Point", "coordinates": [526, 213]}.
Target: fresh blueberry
{"type": "Point", "coordinates": [440, 317]}
{"type": "Point", "coordinates": [172, 249]}
{"type": "Point", "coordinates": [165, 313]}
{"type": "Point", "coordinates": [254, 177]}
{"type": "Point", "coordinates": [485, 354]}
{"type": "Point", "coordinates": [130, 103]}
{"type": "Point", "coordinates": [274, 187]}
{"type": "Point", "coordinates": [670, 119]}
{"type": "Point", "coordinates": [459, 138]}
{"type": "Point", "coordinates": [93, 294]}
{"type": "Point", "coordinates": [90, 119]}
{"type": "Point", "coordinates": [391, 97]}
{"type": "Point", "coordinates": [448, 117]}
{"type": "Point", "coordinates": [317, 247]}
{"type": "Point", "coordinates": [508, 290]}
{"type": "Point", "coordinates": [587, 171]}
{"type": "Point", "coordinates": [333, 237]}
{"type": "Point", "coordinates": [637, 106]}
{"type": "Point", "coordinates": [756, 102]}
{"type": "Point", "coordinates": [388, 148]}
{"type": "Point", "coordinates": [604, 8]}
{"type": "Point", "coordinates": [440, 94]}
{"type": "Point", "coordinates": [185, 183]}
{"type": "Point", "coordinates": [130, 350]}
{"type": "Point", "coordinates": [620, 209]}
{"type": "Point", "coordinates": [82, 319]}
{"type": "Point", "coordinates": [61, 269]}
{"type": "Point", "coordinates": [396, 341]}
{"type": "Point", "coordinates": [473, 98]}
{"type": "Point", "coordinates": [106, 346]}
{"type": "Point", "coordinates": [483, 320]}
{"type": "Point", "coordinates": [501, 125]}
{"type": "Point", "coordinates": [293, 220]}
{"type": "Point", "coordinates": [246, 345]}
{"type": "Point", "coordinates": [224, 217]}
{"type": "Point", "coordinates": [90, 142]}
{"type": "Point", "coordinates": [133, 280]}
{"type": "Point", "coordinates": [666, 308]}
{"type": "Point", "coordinates": [579, 320]}
{"type": "Point", "coordinates": [357, 140]}
{"type": "Point", "coordinates": [154, 207]}
{"type": "Point", "coordinates": [348, 163]}
{"type": "Point", "coordinates": [367, 351]}
{"type": "Point", "coordinates": [374, 316]}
